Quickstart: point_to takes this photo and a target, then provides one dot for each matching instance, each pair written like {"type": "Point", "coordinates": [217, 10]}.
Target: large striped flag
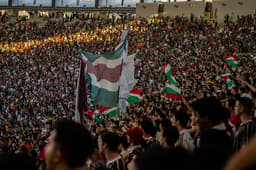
{"type": "Point", "coordinates": [168, 70]}
{"type": "Point", "coordinates": [104, 72]}
{"type": "Point", "coordinates": [110, 111]}
{"type": "Point", "coordinates": [134, 96]}
{"type": "Point", "coordinates": [172, 91]}
{"type": "Point", "coordinates": [231, 60]}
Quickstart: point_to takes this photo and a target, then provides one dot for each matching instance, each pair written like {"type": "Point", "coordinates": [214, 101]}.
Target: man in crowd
{"type": "Point", "coordinates": [68, 147]}
{"type": "Point", "coordinates": [149, 132]}
{"type": "Point", "coordinates": [108, 143]}
{"type": "Point", "coordinates": [211, 119]}
{"type": "Point", "coordinates": [215, 138]}
{"type": "Point", "coordinates": [170, 137]}
{"type": "Point", "coordinates": [180, 121]}
{"type": "Point", "coordinates": [247, 129]}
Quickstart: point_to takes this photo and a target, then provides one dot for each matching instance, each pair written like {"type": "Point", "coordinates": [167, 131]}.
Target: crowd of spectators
{"type": "Point", "coordinates": [201, 131]}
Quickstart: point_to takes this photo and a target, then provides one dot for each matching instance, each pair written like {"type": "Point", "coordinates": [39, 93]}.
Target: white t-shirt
{"type": "Point", "coordinates": [185, 140]}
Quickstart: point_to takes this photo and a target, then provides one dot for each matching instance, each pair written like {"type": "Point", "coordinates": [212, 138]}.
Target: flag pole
{"type": "Point", "coordinates": [77, 116]}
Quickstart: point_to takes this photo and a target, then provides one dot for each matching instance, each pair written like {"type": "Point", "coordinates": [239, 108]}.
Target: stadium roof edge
{"type": "Point", "coordinates": [87, 9]}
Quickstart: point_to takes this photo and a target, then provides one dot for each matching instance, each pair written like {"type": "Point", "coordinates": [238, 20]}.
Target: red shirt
{"type": "Point", "coordinates": [235, 120]}
{"type": "Point", "coordinates": [42, 154]}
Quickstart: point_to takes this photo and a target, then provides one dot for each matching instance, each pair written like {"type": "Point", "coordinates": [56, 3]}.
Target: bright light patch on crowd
{"type": "Point", "coordinates": [86, 37]}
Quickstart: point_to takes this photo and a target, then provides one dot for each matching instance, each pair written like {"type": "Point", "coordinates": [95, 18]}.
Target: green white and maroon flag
{"type": "Point", "coordinates": [134, 96]}
{"type": "Point", "coordinates": [231, 60]}
{"type": "Point", "coordinates": [110, 111]}
{"type": "Point", "coordinates": [172, 91]}
{"type": "Point", "coordinates": [228, 81]}
{"type": "Point", "coordinates": [94, 116]}
{"type": "Point", "coordinates": [103, 74]}
{"type": "Point", "coordinates": [168, 71]}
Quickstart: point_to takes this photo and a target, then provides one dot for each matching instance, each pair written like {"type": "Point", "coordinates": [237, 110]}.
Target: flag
{"type": "Point", "coordinates": [123, 105]}
{"type": "Point", "coordinates": [228, 81]}
{"type": "Point", "coordinates": [124, 84]}
{"type": "Point", "coordinates": [231, 60]}
{"type": "Point", "coordinates": [81, 96]}
{"type": "Point", "coordinates": [134, 96]}
{"type": "Point", "coordinates": [170, 76]}
{"type": "Point", "coordinates": [127, 81]}
{"type": "Point", "coordinates": [110, 111]}
{"type": "Point", "coordinates": [172, 91]}
{"type": "Point", "coordinates": [130, 71]}
{"type": "Point", "coordinates": [94, 116]}
{"type": "Point", "coordinates": [103, 74]}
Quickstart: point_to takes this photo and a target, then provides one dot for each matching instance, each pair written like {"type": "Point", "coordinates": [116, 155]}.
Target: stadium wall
{"type": "Point", "coordinates": [184, 9]}
{"type": "Point", "coordinates": [233, 8]}
{"type": "Point", "coordinates": [220, 8]}
{"type": "Point", "coordinates": [145, 10]}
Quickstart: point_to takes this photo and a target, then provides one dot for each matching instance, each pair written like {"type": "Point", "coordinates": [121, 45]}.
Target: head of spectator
{"type": "Point", "coordinates": [234, 119]}
{"type": "Point", "coordinates": [210, 112]}
{"type": "Point", "coordinates": [96, 156]}
{"type": "Point", "coordinates": [165, 124]}
{"type": "Point", "coordinates": [234, 91]}
{"type": "Point", "coordinates": [231, 104]}
{"type": "Point", "coordinates": [149, 131]}
{"type": "Point", "coordinates": [155, 157]}
{"type": "Point", "coordinates": [109, 142]}
{"type": "Point", "coordinates": [243, 108]}
{"type": "Point", "coordinates": [180, 120]}
{"type": "Point", "coordinates": [68, 147]}
{"type": "Point", "coordinates": [135, 136]}
{"type": "Point", "coordinates": [194, 123]}
{"type": "Point", "coordinates": [123, 143]}
{"type": "Point", "coordinates": [170, 137]}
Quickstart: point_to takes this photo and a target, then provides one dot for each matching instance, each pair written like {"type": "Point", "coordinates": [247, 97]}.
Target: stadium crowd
{"type": "Point", "coordinates": [203, 130]}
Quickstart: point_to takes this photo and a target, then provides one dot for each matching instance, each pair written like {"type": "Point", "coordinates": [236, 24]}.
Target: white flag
{"type": "Point", "coordinates": [127, 81]}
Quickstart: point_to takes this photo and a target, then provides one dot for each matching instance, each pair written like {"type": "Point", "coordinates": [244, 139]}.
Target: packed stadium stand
{"type": "Point", "coordinates": [127, 84]}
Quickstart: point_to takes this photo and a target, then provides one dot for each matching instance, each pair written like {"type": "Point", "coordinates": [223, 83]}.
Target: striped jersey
{"type": "Point", "coordinates": [116, 164]}
{"type": "Point", "coordinates": [245, 132]}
